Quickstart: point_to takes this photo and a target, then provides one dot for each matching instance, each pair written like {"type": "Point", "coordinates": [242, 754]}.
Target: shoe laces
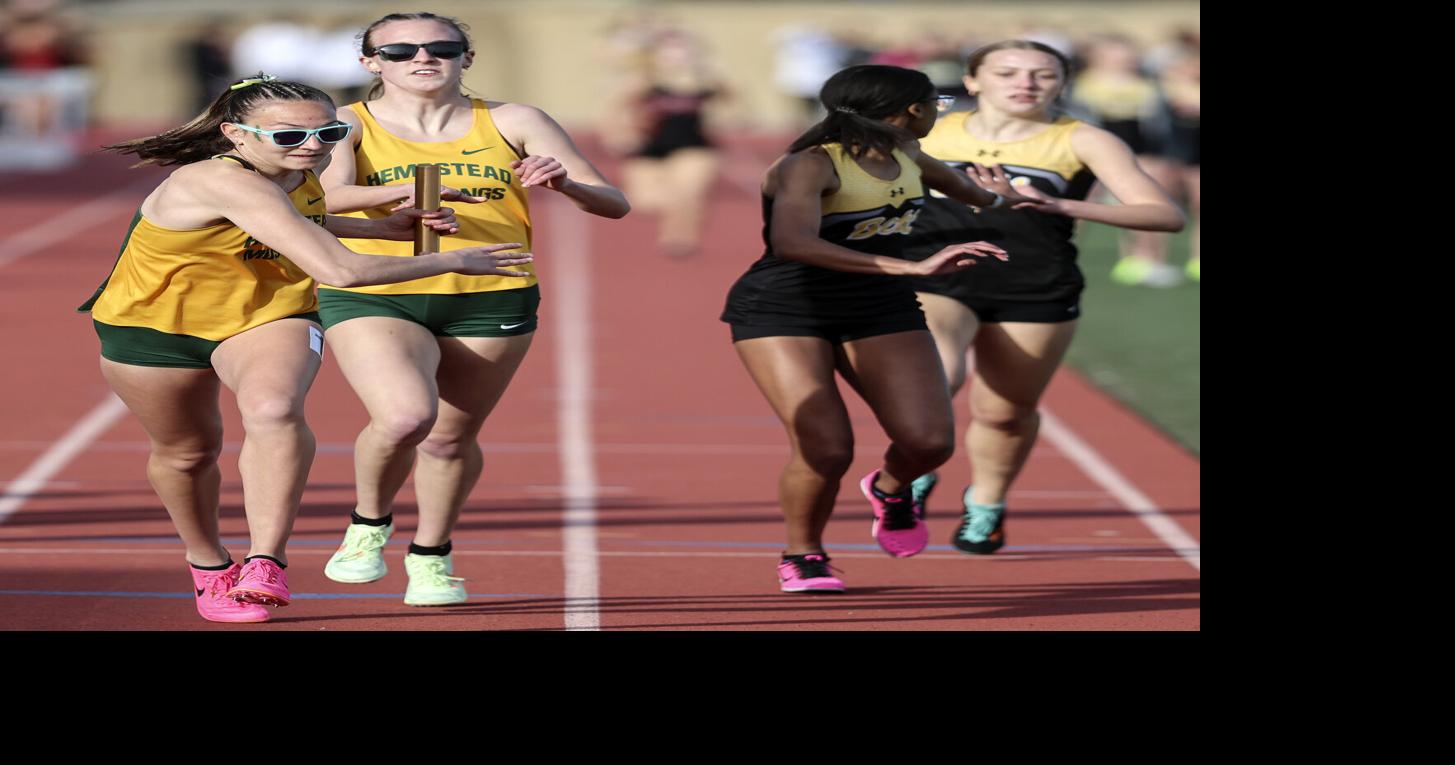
{"type": "Point", "coordinates": [900, 513]}
{"type": "Point", "coordinates": [263, 570]}
{"type": "Point", "coordinates": [359, 540]}
{"type": "Point", "coordinates": [218, 585]}
{"type": "Point", "coordinates": [433, 573]}
{"type": "Point", "coordinates": [979, 523]}
{"type": "Point", "coordinates": [813, 566]}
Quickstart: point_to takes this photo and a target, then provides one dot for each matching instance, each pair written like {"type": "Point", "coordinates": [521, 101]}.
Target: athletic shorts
{"type": "Point", "coordinates": [145, 347]}
{"type": "Point", "coordinates": [1044, 312]}
{"type": "Point", "coordinates": [503, 313]}
{"type": "Point", "coordinates": [834, 332]}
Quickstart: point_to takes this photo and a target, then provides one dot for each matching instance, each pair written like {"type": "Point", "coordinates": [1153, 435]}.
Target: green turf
{"type": "Point", "coordinates": [1140, 344]}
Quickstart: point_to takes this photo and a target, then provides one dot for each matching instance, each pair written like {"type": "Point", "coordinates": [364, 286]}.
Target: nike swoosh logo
{"type": "Point", "coordinates": [476, 151]}
{"type": "Point", "coordinates": [315, 201]}
{"type": "Point", "coordinates": [513, 326]}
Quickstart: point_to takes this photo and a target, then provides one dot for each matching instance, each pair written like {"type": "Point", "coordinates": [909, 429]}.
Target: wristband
{"type": "Point", "coordinates": [998, 203]}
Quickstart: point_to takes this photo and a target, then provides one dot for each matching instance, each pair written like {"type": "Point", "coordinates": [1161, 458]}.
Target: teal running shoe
{"type": "Point", "coordinates": [982, 528]}
{"type": "Point", "coordinates": [921, 487]}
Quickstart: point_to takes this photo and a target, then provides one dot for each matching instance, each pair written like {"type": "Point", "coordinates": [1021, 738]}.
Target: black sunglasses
{"type": "Point", "coordinates": [406, 51]}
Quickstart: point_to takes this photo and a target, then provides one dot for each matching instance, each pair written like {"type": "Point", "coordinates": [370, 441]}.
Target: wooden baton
{"type": "Point", "coordinates": [427, 198]}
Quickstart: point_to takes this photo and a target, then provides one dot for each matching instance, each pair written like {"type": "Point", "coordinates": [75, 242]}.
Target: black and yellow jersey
{"type": "Point", "coordinates": [867, 214]}
{"type": "Point", "coordinates": [212, 282]}
{"type": "Point", "coordinates": [1042, 263]}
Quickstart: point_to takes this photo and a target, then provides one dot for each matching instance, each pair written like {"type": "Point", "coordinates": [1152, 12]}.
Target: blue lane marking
{"type": "Point", "coordinates": [847, 546]}
{"type": "Point", "coordinates": [296, 595]}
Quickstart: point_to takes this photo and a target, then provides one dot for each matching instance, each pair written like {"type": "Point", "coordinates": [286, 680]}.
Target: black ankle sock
{"type": "Point", "coordinates": [801, 556]}
{"type": "Point", "coordinates": [354, 517]}
{"type": "Point", "coordinates": [223, 567]}
{"type": "Point", "coordinates": [443, 549]}
{"type": "Point", "coordinates": [904, 493]}
{"type": "Point", "coordinates": [280, 563]}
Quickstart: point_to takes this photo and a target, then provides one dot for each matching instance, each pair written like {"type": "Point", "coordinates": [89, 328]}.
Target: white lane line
{"type": "Point", "coordinates": [1099, 470]}
{"type": "Point", "coordinates": [75, 220]}
{"type": "Point", "coordinates": [55, 459]}
{"type": "Point", "coordinates": [571, 280]}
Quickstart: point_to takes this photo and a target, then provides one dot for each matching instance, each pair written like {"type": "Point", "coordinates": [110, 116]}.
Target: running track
{"type": "Point", "coordinates": [631, 470]}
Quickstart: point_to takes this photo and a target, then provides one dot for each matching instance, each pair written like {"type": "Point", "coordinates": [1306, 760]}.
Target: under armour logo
{"type": "Point", "coordinates": [984, 152]}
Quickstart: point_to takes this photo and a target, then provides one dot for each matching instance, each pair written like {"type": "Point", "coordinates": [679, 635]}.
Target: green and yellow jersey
{"type": "Point", "coordinates": [477, 164]}
{"type": "Point", "coordinates": [212, 282]}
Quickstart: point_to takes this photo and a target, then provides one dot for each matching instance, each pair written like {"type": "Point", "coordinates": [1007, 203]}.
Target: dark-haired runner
{"type": "Point", "coordinates": [829, 295]}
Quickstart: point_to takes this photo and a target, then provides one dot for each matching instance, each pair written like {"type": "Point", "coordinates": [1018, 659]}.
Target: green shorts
{"type": "Point", "coordinates": [503, 313]}
{"type": "Point", "coordinates": [145, 347]}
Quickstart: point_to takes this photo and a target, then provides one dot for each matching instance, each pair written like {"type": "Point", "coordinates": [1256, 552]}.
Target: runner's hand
{"type": "Point", "coordinates": [481, 261]}
{"type": "Point", "coordinates": [993, 178]}
{"type": "Point", "coordinates": [956, 257]}
{"type": "Point", "coordinates": [540, 171]}
{"type": "Point", "coordinates": [400, 225]}
{"type": "Point", "coordinates": [447, 194]}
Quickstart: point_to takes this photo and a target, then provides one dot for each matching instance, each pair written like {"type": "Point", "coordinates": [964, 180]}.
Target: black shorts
{"type": "Point", "coordinates": [990, 311]}
{"type": "Point", "coordinates": [834, 332]}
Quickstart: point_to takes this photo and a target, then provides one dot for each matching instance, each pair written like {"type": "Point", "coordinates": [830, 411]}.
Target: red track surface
{"type": "Point", "coordinates": [686, 456]}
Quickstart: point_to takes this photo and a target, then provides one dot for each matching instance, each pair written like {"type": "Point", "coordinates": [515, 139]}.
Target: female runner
{"type": "Point", "coordinates": [215, 286]}
{"type": "Point", "coordinates": [431, 357]}
{"type": "Point", "coordinates": [828, 295]}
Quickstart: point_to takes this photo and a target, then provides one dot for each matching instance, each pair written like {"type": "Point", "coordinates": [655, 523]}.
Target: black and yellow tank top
{"type": "Point", "coordinates": [1042, 263]}
{"type": "Point", "coordinates": [478, 164]}
{"type": "Point", "coordinates": [212, 282]}
{"type": "Point", "coordinates": [867, 214]}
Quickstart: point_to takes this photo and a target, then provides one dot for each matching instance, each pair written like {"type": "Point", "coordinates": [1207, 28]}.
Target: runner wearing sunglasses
{"type": "Point", "coordinates": [431, 358]}
{"type": "Point", "coordinates": [214, 286]}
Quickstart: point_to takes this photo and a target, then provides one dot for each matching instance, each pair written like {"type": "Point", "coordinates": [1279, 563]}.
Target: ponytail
{"type": "Point", "coordinates": [859, 100]}
{"type": "Point", "coordinates": [202, 137]}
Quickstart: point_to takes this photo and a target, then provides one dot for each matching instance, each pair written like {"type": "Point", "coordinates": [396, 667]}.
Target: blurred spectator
{"type": "Point", "coordinates": [283, 47]}
{"type": "Point", "coordinates": [44, 88]}
{"type": "Point", "coordinates": [658, 121]}
{"type": "Point", "coordinates": [336, 67]}
{"type": "Point", "coordinates": [807, 57]}
{"type": "Point", "coordinates": [209, 63]}
{"type": "Point", "coordinates": [39, 36]}
{"type": "Point", "coordinates": [1182, 87]}
{"type": "Point", "coordinates": [1128, 103]}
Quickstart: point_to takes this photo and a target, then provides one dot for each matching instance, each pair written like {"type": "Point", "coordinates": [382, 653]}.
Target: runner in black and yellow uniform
{"type": "Point", "coordinates": [215, 286]}
{"type": "Point", "coordinates": [1019, 317]}
{"type": "Point", "coordinates": [829, 294]}
{"type": "Point", "coordinates": [430, 358]}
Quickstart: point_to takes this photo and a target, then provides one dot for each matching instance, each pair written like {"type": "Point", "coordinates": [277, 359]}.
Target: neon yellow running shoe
{"type": "Point", "coordinates": [430, 583]}
{"type": "Point", "coordinates": [1194, 269]}
{"type": "Point", "coordinates": [1131, 271]}
{"type": "Point", "coordinates": [360, 558]}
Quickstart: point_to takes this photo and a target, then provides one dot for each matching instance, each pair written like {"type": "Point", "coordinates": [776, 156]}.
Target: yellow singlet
{"type": "Point", "coordinates": [478, 164]}
{"type": "Point", "coordinates": [212, 282]}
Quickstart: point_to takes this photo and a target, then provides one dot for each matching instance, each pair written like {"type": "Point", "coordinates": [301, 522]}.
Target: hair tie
{"type": "Point", "coordinates": [253, 81]}
{"type": "Point", "coordinates": [845, 110]}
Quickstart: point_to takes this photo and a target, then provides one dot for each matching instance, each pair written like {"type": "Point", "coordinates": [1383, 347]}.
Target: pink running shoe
{"type": "Point", "coordinates": [213, 603]}
{"type": "Point", "coordinates": [899, 522]}
{"type": "Point", "coordinates": [263, 582]}
{"type": "Point", "coordinates": [807, 573]}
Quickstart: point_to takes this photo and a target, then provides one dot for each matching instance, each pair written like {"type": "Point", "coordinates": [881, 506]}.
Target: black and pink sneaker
{"type": "Point", "coordinates": [899, 521]}
{"type": "Point", "coordinates": [808, 573]}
